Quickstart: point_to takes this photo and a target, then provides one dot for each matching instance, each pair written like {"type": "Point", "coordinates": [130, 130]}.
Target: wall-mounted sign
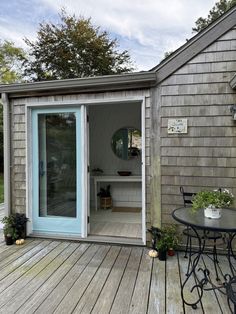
{"type": "Point", "coordinates": [177, 126]}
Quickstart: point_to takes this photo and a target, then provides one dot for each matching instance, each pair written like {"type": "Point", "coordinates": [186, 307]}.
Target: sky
{"type": "Point", "coordinates": [146, 28]}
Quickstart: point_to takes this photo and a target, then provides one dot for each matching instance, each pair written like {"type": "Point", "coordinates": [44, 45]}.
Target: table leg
{"type": "Point", "coordinates": [201, 284]}
{"type": "Point", "coordinates": [197, 289]}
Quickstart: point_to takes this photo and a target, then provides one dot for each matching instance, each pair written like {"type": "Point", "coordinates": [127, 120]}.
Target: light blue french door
{"type": "Point", "coordinates": [57, 171]}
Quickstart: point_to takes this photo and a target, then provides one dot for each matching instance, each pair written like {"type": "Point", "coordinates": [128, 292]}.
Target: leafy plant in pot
{"type": "Point", "coordinates": [9, 229]}
{"type": "Point", "coordinates": [212, 202]}
{"type": "Point", "coordinates": [162, 246]}
{"type": "Point", "coordinates": [172, 238]}
{"type": "Point", "coordinates": [20, 224]}
{"type": "Point", "coordinates": [14, 227]}
{"type": "Point", "coordinates": [105, 197]}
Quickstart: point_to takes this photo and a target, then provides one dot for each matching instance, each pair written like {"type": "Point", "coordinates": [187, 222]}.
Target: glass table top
{"type": "Point", "coordinates": [226, 223]}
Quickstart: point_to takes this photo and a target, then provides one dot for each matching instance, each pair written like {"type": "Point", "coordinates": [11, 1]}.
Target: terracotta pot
{"type": "Point", "coordinates": [171, 252]}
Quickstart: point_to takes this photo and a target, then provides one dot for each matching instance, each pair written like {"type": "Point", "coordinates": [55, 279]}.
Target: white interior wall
{"type": "Point", "coordinates": [104, 121]}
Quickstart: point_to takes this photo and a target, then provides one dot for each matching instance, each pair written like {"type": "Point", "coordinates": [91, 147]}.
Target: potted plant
{"type": "Point", "coordinates": [162, 246]}
{"type": "Point", "coordinates": [105, 197]}
{"type": "Point", "coordinates": [172, 238]}
{"type": "Point", "coordinates": [14, 227]}
{"type": "Point", "coordinates": [212, 202]}
{"type": "Point", "coordinates": [9, 229]}
{"type": "Point", "coordinates": [20, 225]}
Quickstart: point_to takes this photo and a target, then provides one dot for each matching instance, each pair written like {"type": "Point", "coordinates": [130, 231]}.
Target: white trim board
{"type": "Point", "coordinates": [79, 102]}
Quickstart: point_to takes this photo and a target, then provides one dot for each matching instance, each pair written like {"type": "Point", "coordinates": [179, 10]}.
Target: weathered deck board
{"type": "Point", "coordinates": [24, 274]}
{"type": "Point", "coordinates": [173, 302]}
{"type": "Point", "coordinates": [8, 251]}
{"type": "Point", "coordinates": [58, 256]}
{"type": "Point", "coordinates": [183, 266]}
{"type": "Point", "coordinates": [108, 293]}
{"type": "Point", "coordinates": [221, 299]}
{"type": "Point", "coordinates": [157, 290]}
{"type": "Point", "coordinates": [89, 298]}
{"type": "Point", "coordinates": [10, 275]}
{"type": "Point", "coordinates": [47, 287]}
{"type": "Point", "coordinates": [125, 291]}
{"type": "Point", "coordinates": [70, 301]}
{"type": "Point", "coordinates": [209, 300]}
{"type": "Point", "coordinates": [22, 254]}
{"type": "Point", "coordinates": [139, 301]}
{"type": "Point", "coordinates": [69, 277]}
{"type": "Point", "coordinates": [53, 299]}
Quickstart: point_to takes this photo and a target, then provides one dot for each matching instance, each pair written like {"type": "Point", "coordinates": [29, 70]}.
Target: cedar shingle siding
{"type": "Point", "coordinates": [205, 157]}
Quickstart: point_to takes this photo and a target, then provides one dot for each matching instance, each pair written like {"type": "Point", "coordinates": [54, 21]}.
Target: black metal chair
{"type": "Point", "coordinates": [205, 235]}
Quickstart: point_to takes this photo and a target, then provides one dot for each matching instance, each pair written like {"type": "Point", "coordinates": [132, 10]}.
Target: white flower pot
{"type": "Point", "coordinates": [212, 212]}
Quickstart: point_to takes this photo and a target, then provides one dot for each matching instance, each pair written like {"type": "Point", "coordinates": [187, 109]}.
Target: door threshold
{"type": "Point", "coordinates": [115, 240]}
{"type": "Point", "coordinates": [90, 238]}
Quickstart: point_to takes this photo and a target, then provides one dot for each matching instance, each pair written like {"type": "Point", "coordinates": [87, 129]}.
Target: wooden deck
{"type": "Point", "coordinates": [47, 276]}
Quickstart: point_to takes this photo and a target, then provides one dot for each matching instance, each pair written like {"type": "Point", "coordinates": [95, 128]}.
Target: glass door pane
{"type": "Point", "coordinates": [57, 164]}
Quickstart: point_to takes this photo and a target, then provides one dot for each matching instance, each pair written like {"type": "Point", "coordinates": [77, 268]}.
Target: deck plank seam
{"type": "Point", "coordinates": [120, 281]}
{"type": "Point", "coordinates": [61, 252]}
{"type": "Point", "coordinates": [217, 299]}
{"type": "Point", "coordinates": [136, 278]}
{"type": "Point", "coordinates": [85, 266]}
{"type": "Point", "coordinates": [25, 273]}
{"type": "Point", "coordinates": [150, 283]}
{"type": "Point", "coordinates": [8, 252]}
{"type": "Point", "coordinates": [180, 279]}
{"type": "Point", "coordinates": [76, 248]}
{"type": "Point", "coordinates": [98, 267]}
{"type": "Point", "coordinates": [78, 278]}
{"type": "Point", "coordinates": [14, 270]}
{"type": "Point", "coordinates": [17, 255]}
{"type": "Point", "coordinates": [43, 300]}
{"type": "Point", "coordinates": [105, 280]}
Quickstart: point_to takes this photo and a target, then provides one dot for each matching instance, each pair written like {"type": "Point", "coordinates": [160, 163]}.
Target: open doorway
{"type": "Point", "coordinates": [115, 158]}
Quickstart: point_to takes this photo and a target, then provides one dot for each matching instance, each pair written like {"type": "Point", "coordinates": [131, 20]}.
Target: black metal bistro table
{"type": "Point", "coordinates": [198, 278]}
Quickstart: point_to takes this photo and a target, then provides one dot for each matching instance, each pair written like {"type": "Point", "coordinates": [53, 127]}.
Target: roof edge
{"type": "Point", "coordinates": [196, 44]}
{"type": "Point", "coordinates": [105, 83]}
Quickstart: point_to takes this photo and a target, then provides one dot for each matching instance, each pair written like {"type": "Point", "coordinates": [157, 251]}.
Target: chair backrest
{"type": "Point", "coordinates": [187, 196]}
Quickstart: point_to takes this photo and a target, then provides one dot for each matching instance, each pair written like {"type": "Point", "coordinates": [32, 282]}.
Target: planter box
{"type": "Point", "coordinates": [212, 212]}
{"type": "Point", "coordinates": [105, 202]}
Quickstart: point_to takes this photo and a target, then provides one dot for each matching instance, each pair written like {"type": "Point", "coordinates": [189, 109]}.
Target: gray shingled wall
{"type": "Point", "coordinates": [205, 157]}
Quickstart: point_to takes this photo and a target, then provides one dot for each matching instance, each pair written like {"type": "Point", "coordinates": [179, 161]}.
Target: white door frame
{"type": "Point", "coordinates": [141, 100]}
{"type": "Point", "coordinates": [83, 104]}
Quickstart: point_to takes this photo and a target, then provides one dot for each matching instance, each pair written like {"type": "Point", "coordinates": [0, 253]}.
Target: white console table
{"type": "Point", "coordinates": [98, 179]}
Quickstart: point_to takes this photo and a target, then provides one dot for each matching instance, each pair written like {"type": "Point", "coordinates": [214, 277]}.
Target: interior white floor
{"type": "Point", "coordinates": [104, 222]}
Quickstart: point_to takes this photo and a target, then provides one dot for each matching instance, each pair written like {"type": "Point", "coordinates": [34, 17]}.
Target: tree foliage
{"type": "Point", "coordinates": [11, 60]}
{"type": "Point", "coordinates": [219, 8]}
{"type": "Point", "coordinates": [74, 48]}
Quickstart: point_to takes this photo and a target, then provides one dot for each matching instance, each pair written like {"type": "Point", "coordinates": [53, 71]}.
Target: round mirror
{"type": "Point", "coordinates": [127, 143]}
